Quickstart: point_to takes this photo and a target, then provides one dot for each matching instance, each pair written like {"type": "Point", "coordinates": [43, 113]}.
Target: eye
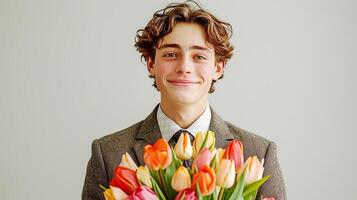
{"type": "Point", "coordinates": [200, 57]}
{"type": "Point", "coordinates": [170, 55]}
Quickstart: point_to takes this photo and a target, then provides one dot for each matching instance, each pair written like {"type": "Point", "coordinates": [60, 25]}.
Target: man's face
{"type": "Point", "coordinates": [184, 65]}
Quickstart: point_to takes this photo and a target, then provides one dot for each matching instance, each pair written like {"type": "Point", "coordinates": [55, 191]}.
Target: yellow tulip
{"type": "Point", "coordinates": [199, 140]}
{"type": "Point", "coordinates": [226, 173]}
{"type": "Point", "coordinates": [183, 148]}
{"type": "Point", "coordinates": [143, 174]}
{"type": "Point", "coordinates": [108, 194]}
{"type": "Point", "coordinates": [113, 193]}
{"type": "Point", "coordinates": [218, 155]}
{"type": "Point", "coordinates": [127, 161]}
{"type": "Point", "coordinates": [181, 179]}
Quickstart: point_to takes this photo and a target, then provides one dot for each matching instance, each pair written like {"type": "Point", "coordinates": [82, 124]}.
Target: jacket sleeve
{"type": "Point", "coordinates": [274, 187]}
{"type": "Point", "coordinates": [96, 174]}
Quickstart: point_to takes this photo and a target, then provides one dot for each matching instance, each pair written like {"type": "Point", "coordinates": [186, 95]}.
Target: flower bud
{"type": "Point", "coordinates": [226, 173]}
{"type": "Point", "coordinates": [181, 179]}
{"type": "Point", "coordinates": [143, 174]}
{"type": "Point", "coordinates": [127, 161]}
{"type": "Point", "coordinates": [183, 147]}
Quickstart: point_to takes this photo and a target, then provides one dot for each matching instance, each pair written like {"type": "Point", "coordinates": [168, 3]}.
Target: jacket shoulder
{"type": "Point", "coordinates": [114, 145]}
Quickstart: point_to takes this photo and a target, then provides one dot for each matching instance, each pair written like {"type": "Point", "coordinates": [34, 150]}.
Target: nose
{"type": "Point", "coordinates": [184, 66]}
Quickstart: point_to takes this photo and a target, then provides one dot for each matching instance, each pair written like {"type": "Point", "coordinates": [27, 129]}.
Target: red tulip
{"type": "Point", "coordinates": [125, 179]}
{"type": "Point", "coordinates": [186, 194]}
{"type": "Point", "coordinates": [234, 151]}
{"type": "Point", "coordinates": [205, 179]}
{"type": "Point", "coordinates": [202, 159]}
{"type": "Point", "coordinates": [142, 193]}
{"type": "Point", "coordinates": [158, 156]}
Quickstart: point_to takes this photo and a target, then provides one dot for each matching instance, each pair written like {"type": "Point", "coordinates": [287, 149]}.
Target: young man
{"type": "Point", "coordinates": [185, 49]}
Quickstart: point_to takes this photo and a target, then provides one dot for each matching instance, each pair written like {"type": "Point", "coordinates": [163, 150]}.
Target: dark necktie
{"type": "Point", "coordinates": [174, 139]}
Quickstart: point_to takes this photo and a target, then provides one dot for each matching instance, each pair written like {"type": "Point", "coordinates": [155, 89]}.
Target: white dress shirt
{"type": "Point", "coordinates": [168, 127]}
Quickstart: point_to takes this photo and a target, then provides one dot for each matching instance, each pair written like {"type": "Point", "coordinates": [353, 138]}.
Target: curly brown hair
{"type": "Point", "coordinates": [163, 21]}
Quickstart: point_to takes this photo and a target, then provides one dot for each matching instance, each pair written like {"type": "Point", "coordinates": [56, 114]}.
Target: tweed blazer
{"type": "Point", "coordinates": [108, 150]}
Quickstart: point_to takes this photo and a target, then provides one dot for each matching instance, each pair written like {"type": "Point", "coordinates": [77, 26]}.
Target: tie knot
{"type": "Point", "coordinates": [174, 139]}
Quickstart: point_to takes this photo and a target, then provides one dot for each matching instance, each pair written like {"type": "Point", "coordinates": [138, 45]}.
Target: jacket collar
{"type": "Point", "coordinates": [150, 132]}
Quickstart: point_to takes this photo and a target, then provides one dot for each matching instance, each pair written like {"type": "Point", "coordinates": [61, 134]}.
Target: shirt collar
{"type": "Point", "coordinates": [168, 127]}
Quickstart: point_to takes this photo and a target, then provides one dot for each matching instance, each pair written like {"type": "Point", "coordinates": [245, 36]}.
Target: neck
{"type": "Point", "coordinates": [183, 114]}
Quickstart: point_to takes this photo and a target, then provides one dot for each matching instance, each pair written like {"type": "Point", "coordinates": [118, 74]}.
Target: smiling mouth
{"type": "Point", "coordinates": [183, 82]}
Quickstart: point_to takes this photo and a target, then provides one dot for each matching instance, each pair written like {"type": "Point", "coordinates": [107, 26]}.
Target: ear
{"type": "Point", "coordinates": [150, 66]}
{"type": "Point", "coordinates": [218, 70]}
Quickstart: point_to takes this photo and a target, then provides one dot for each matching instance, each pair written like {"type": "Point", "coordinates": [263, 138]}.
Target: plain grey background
{"type": "Point", "coordinates": [69, 74]}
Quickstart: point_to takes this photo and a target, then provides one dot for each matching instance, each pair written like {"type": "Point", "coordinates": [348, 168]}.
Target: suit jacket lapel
{"type": "Point", "coordinates": [147, 134]}
{"type": "Point", "coordinates": [220, 129]}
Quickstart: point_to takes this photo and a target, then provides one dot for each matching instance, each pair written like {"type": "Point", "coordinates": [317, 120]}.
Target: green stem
{"type": "Point", "coordinates": [101, 186]}
{"type": "Point", "coordinates": [221, 194]}
{"type": "Point", "coordinates": [163, 183]}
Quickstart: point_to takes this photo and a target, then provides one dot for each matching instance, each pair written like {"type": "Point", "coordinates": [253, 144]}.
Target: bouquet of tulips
{"type": "Point", "coordinates": [214, 174]}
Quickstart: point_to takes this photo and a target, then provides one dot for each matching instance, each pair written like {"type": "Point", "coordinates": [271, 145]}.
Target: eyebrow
{"type": "Point", "coordinates": [176, 46]}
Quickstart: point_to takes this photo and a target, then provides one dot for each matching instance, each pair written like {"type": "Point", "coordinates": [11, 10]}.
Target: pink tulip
{"type": "Point", "coordinates": [270, 198]}
{"type": "Point", "coordinates": [143, 193]}
{"type": "Point", "coordinates": [234, 151]}
{"type": "Point", "coordinates": [187, 194]}
{"type": "Point", "coordinates": [202, 159]}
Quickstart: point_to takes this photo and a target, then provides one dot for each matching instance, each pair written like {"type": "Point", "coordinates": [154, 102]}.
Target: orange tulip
{"type": "Point", "coordinates": [205, 179]}
{"type": "Point", "coordinates": [234, 151]}
{"type": "Point", "coordinates": [158, 156]}
{"type": "Point", "coordinates": [125, 179]}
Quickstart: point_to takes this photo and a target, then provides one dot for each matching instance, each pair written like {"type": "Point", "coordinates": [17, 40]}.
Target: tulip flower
{"type": "Point", "coordinates": [186, 194]}
{"type": "Point", "coordinates": [217, 155]}
{"type": "Point", "coordinates": [181, 179]}
{"type": "Point", "coordinates": [125, 179]}
{"type": "Point", "coordinates": [205, 179]}
{"type": "Point", "coordinates": [202, 159]}
{"type": "Point", "coordinates": [143, 175]}
{"type": "Point", "coordinates": [143, 193]}
{"type": "Point", "coordinates": [198, 143]}
{"type": "Point", "coordinates": [226, 173]}
{"type": "Point", "coordinates": [255, 170]}
{"type": "Point", "coordinates": [127, 161]}
{"type": "Point", "coordinates": [234, 151]}
{"type": "Point", "coordinates": [108, 194]}
{"type": "Point", "coordinates": [113, 193]}
{"type": "Point", "coordinates": [183, 147]}
{"type": "Point", "coordinates": [158, 156]}
{"type": "Point", "coordinates": [118, 193]}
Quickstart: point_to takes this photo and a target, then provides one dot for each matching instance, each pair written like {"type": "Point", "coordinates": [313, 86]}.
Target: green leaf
{"type": "Point", "coordinates": [177, 162]}
{"type": "Point", "coordinates": [213, 162]}
{"type": "Point", "coordinates": [155, 176]}
{"type": "Point", "coordinates": [238, 189]}
{"type": "Point", "coordinates": [157, 190]}
{"type": "Point", "coordinates": [198, 192]}
{"type": "Point", "coordinates": [253, 187]}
